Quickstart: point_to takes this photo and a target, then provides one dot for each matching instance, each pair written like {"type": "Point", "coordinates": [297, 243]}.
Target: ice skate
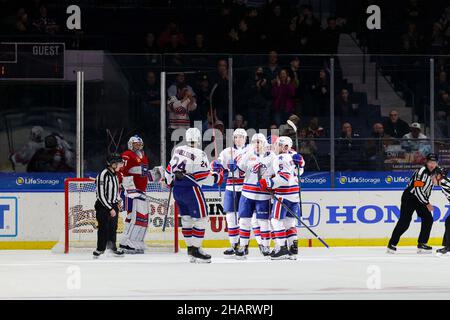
{"type": "Point", "coordinates": [443, 250]}
{"type": "Point", "coordinates": [281, 253]}
{"type": "Point", "coordinates": [391, 249]}
{"type": "Point", "coordinates": [199, 256]}
{"type": "Point", "coordinates": [231, 251]}
{"type": "Point", "coordinates": [241, 253]}
{"type": "Point", "coordinates": [422, 248]}
{"type": "Point", "coordinates": [96, 254]}
{"type": "Point", "coordinates": [127, 249]}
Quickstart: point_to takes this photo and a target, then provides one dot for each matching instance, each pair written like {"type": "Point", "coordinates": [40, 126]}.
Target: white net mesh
{"type": "Point", "coordinates": [82, 224]}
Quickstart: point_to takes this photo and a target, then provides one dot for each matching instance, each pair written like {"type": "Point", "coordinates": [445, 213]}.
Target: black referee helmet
{"type": "Point", "coordinates": [113, 158]}
{"type": "Point", "coordinates": [432, 157]}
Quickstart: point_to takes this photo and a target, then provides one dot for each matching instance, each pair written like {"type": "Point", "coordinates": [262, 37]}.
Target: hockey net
{"type": "Point", "coordinates": [80, 230]}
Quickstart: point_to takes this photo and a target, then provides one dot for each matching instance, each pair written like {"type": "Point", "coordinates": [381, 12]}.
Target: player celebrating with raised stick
{"type": "Point", "coordinates": [135, 177]}
{"type": "Point", "coordinates": [416, 198]}
{"type": "Point", "coordinates": [255, 164]}
{"type": "Point", "coordinates": [286, 188]}
{"type": "Point", "coordinates": [187, 171]}
{"type": "Point", "coordinates": [233, 189]}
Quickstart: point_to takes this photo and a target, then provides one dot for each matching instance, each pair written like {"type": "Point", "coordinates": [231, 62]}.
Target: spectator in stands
{"type": "Point", "coordinates": [45, 24]}
{"type": "Point", "coordinates": [203, 90]}
{"type": "Point", "coordinates": [442, 83]}
{"type": "Point", "coordinates": [150, 49]}
{"type": "Point", "coordinates": [291, 37]}
{"type": "Point", "coordinates": [330, 36]}
{"type": "Point", "coordinates": [257, 92]}
{"type": "Point", "coordinates": [179, 80]}
{"type": "Point", "coordinates": [275, 26]}
{"type": "Point", "coordinates": [220, 96]}
{"type": "Point", "coordinates": [437, 41]}
{"type": "Point", "coordinates": [49, 159]}
{"type": "Point", "coordinates": [241, 39]}
{"type": "Point", "coordinates": [309, 29]}
{"type": "Point", "coordinates": [344, 106]}
{"type": "Point", "coordinates": [375, 147]}
{"type": "Point", "coordinates": [283, 93]}
{"type": "Point", "coordinates": [314, 129]}
{"type": "Point", "coordinates": [442, 117]}
{"type": "Point", "coordinates": [239, 122]}
{"type": "Point", "coordinates": [294, 74]}
{"type": "Point", "coordinates": [272, 68]}
{"type": "Point", "coordinates": [321, 94]}
{"type": "Point", "coordinates": [394, 126]}
{"type": "Point", "coordinates": [412, 40]}
{"type": "Point", "coordinates": [199, 43]}
{"type": "Point", "coordinates": [179, 107]}
{"type": "Point", "coordinates": [165, 38]}
{"type": "Point", "coordinates": [21, 25]}
{"type": "Point", "coordinates": [308, 149]}
{"type": "Point", "coordinates": [416, 140]}
{"type": "Point", "coordinates": [348, 153]}
{"type": "Point", "coordinates": [286, 130]}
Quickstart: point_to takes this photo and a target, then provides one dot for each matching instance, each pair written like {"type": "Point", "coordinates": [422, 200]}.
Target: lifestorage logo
{"type": "Point", "coordinates": [8, 217]}
{"type": "Point", "coordinates": [36, 181]}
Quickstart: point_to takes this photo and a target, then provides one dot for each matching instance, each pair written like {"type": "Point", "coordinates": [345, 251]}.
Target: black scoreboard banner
{"type": "Point", "coordinates": [32, 61]}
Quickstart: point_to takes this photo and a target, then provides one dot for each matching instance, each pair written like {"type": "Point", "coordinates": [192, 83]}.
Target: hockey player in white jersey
{"type": "Point", "coordinates": [235, 180]}
{"type": "Point", "coordinates": [255, 164]}
{"type": "Point", "coordinates": [287, 165]}
{"type": "Point", "coordinates": [187, 171]}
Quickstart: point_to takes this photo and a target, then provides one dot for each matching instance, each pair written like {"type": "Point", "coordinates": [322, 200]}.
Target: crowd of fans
{"type": "Point", "coordinates": [279, 83]}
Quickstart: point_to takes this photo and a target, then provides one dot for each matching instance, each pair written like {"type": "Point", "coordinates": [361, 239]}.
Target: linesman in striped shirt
{"type": "Point", "coordinates": [416, 198]}
{"type": "Point", "coordinates": [107, 206]}
{"type": "Point", "coordinates": [443, 180]}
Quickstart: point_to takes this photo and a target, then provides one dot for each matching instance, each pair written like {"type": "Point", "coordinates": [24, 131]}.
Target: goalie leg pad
{"type": "Point", "coordinates": [279, 232]}
{"type": "Point", "coordinates": [244, 231]}
{"type": "Point", "coordinates": [187, 224]}
{"type": "Point", "coordinates": [233, 227]}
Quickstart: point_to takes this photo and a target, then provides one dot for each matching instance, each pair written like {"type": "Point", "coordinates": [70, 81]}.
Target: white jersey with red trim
{"type": "Point", "coordinates": [225, 158]}
{"type": "Point", "coordinates": [193, 163]}
{"type": "Point", "coordinates": [256, 167]}
{"type": "Point", "coordinates": [285, 181]}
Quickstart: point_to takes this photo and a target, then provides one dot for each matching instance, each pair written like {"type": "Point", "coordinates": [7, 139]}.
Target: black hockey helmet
{"type": "Point", "coordinates": [113, 158]}
{"type": "Point", "coordinates": [441, 171]}
{"type": "Point", "coordinates": [432, 157]}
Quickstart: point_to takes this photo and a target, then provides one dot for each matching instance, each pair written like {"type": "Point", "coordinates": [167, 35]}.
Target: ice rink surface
{"type": "Point", "coordinates": [338, 273]}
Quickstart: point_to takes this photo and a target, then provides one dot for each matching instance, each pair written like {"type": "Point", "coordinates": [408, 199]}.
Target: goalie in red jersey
{"type": "Point", "coordinates": [135, 176]}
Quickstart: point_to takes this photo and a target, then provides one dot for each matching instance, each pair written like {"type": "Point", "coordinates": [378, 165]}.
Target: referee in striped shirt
{"type": "Point", "coordinates": [443, 180]}
{"type": "Point", "coordinates": [416, 198]}
{"type": "Point", "coordinates": [107, 205]}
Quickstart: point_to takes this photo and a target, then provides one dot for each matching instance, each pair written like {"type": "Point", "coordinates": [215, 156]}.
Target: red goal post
{"type": "Point", "coordinates": [80, 225]}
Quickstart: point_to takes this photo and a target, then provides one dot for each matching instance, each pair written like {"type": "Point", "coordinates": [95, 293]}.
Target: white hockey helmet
{"type": "Point", "coordinates": [259, 137]}
{"type": "Point", "coordinates": [193, 135]}
{"type": "Point", "coordinates": [284, 141]}
{"type": "Point", "coordinates": [36, 133]}
{"type": "Point", "coordinates": [135, 139]}
{"type": "Point", "coordinates": [240, 132]}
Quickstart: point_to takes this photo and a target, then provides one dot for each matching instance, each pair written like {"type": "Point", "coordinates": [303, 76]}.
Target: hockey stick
{"type": "Point", "coordinates": [10, 144]}
{"type": "Point", "coordinates": [167, 211]}
{"type": "Point", "coordinates": [234, 189]}
{"type": "Point", "coordinates": [294, 127]}
{"type": "Point", "coordinates": [298, 218]}
{"type": "Point", "coordinates": [212, 123]}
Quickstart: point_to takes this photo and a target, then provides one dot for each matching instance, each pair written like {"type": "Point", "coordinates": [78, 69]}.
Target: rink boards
{"type": "Point", "coordinates": [35, 220]}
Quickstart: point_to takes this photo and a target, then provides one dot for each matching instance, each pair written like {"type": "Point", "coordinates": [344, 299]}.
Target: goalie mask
{"type": "Point", "coordinates": [135, 143]}
{"type": "Point", "coordinates": [36, 133]}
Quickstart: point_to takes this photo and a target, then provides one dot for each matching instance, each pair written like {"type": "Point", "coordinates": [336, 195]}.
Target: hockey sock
{"type": "Point", "coordinates": [244, 231]}
{"type": "Point", "coordinates": [279, 233]}
{"type": "Point", "coordinates": [233, 228]}
{"type": "Point", "coordinates": [291, 230]}
{"type": "Point", "coordinates": [186, 230]}
{"type": "Point", "coordinates": [198, 231]}
{"type": "Point", "coordinates": [265, 232]}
